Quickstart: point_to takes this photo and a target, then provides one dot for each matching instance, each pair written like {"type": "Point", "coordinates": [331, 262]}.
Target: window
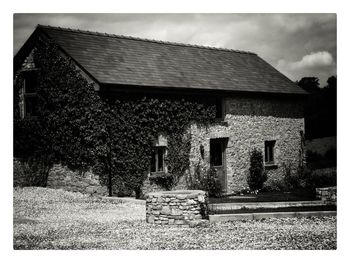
{"type": "Point", "coordinates": [157, 159]}
{"type": "Point", "coordinates": [30, 95]}
{"type": "Point", "coordinates": [269, 152]}
{"type": "Point", "coordinates": [219, 109]}
{"type": "Point", "coordinates": [216, 152]}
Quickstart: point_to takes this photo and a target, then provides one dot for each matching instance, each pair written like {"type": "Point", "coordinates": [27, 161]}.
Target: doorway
{"type": "Point", "coordinates": [218, 159]}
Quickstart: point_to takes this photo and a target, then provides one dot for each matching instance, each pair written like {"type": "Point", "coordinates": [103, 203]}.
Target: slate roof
{"type": "Point", "coordinates": [113, 59]}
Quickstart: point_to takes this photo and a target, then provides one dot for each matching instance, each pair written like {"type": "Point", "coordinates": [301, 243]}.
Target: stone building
{"type": "Point", "coordinates": [256, 106]}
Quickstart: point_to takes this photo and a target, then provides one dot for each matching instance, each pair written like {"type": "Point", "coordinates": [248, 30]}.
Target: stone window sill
{"type": "Point", "coordinates": [157, 174]}
{"type": "Point", "coordinates": [271, 166]}
{"type": "Point", "coordinates": [221, 122]}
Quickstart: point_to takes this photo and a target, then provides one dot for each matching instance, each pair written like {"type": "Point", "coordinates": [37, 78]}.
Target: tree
{"type": "Point", "coordinates": [310, 84]}
{"type": "Point", "coordinates": [320, 107]}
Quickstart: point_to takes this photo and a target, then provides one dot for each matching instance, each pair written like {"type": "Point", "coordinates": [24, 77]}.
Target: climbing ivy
{"type": "Point", "coordinates": [112, 135]}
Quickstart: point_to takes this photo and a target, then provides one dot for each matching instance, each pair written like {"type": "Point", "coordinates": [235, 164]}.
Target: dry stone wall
{"type": "Point", "coordinates": [60, 177]}
{"type": "Point", "coordinates": [327, 194]}
{"type": "Point", "coordinates": [181, 207]}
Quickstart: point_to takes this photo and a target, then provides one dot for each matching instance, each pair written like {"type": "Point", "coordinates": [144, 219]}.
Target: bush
{"type": "Point", "coordinates": [318, 161]}
{"type": "Point", "coordinates": [205, 179]}
{"type": "Point", "coordinates": [275, 184]}
{"type": "Point", "coordinates": [322, 178]}
{"type": "Point", "coordinates": [29, 173]}
{"type": "Point", "coordinates": [257, 175]}
{"type": "Point", "coordinates": [164, 180]}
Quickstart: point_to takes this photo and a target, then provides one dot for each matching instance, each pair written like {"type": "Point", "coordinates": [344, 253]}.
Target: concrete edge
{"type": "Point", "coordinates": [122, 200]}
{"type": "Point", "coordinates": [233, 206]}
{"type": "Point", "coordinates": [254, 216]}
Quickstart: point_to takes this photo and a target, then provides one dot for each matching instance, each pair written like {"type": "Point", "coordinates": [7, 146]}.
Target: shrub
{"type": "Point", "coordinates": [322, 178]}
{"type": "Point", "coordinates": [205, 179]}
{"type": "Point", "coordinates": [275, 184]}
{"type": "Point", "coordinates": [257, 175]}
{"type": "Point", "coordinates": [164, 180]}
{"type": "Point", "coordinates": [319, 161]}
{"type": "Point", "coordinates": [30, 173]}
{"type": "Point", "coordinates": [211, 183]}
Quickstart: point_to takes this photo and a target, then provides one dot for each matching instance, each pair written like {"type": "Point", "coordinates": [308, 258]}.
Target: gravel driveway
{"type": "Point", "coordinates": [56, 219]}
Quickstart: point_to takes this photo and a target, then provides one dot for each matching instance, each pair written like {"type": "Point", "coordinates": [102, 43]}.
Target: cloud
{"type": "Point", "coordinates": [297, 44]}
{"type": "Point", "coordinates": [318, 64]}
{"type": "Point", "coordinates": [313, 60]}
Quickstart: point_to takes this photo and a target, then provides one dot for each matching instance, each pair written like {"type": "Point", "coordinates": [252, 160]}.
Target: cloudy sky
{"type": "Point", "coordinates": [296, 44]}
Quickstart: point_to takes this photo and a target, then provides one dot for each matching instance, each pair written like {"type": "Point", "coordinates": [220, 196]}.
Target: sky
{"type": "Point", "coordinates": [298, 45]}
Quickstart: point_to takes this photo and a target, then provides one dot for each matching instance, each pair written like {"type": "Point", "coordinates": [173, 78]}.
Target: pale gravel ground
{"type": "Point", "coordinates": [56, 219]}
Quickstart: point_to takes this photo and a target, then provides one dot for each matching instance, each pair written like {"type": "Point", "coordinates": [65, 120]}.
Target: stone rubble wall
{"type": "Point", "coordinates": [182, 208]}
{"type": "Point", "coordinates": [60, 177]}
{"type": "Point", "coordinates": [327, 194]}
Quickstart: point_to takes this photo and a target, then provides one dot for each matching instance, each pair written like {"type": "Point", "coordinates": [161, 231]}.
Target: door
{"type": "Point", "coordinates": [218, 159]}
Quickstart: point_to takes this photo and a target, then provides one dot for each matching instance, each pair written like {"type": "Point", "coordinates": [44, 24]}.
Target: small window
{"type": "Point", "coordinates": [157, 160]}
{"type": "Point", "coordinates": [219, 108]}
{"type": "Point", "coordinates": [30, 95]}
{"type": "Point", "coordinates": [269, 152]}
{"type": "Point", "coordinates": [30, 82]}
{"type": "Point", "coordinates": [31, 105]}
{"type": "Point", "coordinates": [216, 152]}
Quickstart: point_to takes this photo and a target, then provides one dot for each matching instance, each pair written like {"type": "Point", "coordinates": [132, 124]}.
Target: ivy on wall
{"type": "Point", "coordinates": [112, 135]}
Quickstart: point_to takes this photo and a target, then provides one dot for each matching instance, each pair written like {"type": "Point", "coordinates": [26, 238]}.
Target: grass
{"type": "Point", "coordinates": [55, 219]}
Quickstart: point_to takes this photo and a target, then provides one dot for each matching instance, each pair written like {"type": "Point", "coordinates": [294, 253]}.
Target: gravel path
{"type": "Point", "coordinates": [56, 219]}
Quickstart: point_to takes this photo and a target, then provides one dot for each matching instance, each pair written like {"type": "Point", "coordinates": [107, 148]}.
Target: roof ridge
{"type": "Point", "coordinates": [143, 39]}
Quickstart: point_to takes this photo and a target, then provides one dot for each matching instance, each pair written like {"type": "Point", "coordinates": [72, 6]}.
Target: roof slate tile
{"type": "Point", "coordinates": [113, 59]}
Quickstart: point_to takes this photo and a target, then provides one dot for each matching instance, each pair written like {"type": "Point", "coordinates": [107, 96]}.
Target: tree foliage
{"type": "Point", "coordinates": [112, 135]}
{"type": "Point", "coordinates": [320, 108]}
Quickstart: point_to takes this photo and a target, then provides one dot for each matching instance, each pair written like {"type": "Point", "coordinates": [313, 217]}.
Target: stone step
{"type": "Point", "coordinates": [254, 205]}
{"type": "Point", "coordinates": [254, 216]}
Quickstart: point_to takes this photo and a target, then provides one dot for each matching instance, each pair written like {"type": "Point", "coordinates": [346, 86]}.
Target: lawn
{"type": "Point", "coordinates": [56, 219]}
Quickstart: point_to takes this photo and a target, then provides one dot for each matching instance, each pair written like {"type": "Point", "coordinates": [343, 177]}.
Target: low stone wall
{"type": "Point", "coordinates": [60, 177]}
{"type": "Point", "coordinates": [182, 207]}
{"type": "Point", "coordinates": [327, 194]}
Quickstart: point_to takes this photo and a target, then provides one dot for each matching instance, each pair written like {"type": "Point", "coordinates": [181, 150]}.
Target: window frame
{"type": "Point", "coordinates": [155, 151]}
{"type": "Point", "coordinates": [29, 95]}
{"type": "Point", "coordinates": [269, 156]}
{"type": "Point", "coordinates": [221, 101]}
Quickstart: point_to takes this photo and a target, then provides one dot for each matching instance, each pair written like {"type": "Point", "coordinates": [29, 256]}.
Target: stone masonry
{"type": "Point", "coordinates": [327, 194]}
{"type": "Point", "coordinates": [248, 123]}
{"type": "Point", "coordinates": [181, 207]}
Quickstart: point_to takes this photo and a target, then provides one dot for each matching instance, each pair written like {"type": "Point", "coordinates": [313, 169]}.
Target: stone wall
{"type": "Point", "coordinates": [248, 123]}
{"type": "Point", "coordinates": [327, 194]}
{"type": "Point", "coordinates": [176, 207]}
{"type": "Point", "coordinates": [60, 177]}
